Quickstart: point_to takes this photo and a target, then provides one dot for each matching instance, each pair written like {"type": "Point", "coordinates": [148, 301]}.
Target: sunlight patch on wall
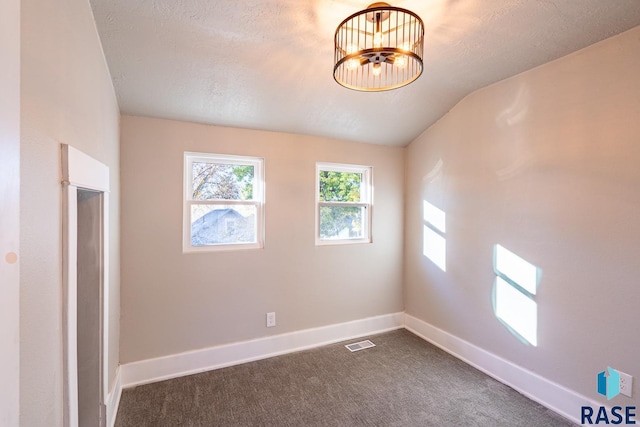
{"type": "Point", "coordinates": [517, 310]}
{"type": "Point", "coordinates": [434, 216]}
{"type": "Point", "coordinates": [519, 271]}
{"type": "Point", "coordinates": [434, 174]}
{"type": "Point", "coordinates": [515, 288]}
{"type": "Point", "coordinates": [434, 243]}
{"type": "Point", "coordinates": [435, 247]}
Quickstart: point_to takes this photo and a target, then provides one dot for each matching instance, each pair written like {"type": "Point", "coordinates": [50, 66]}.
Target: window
{"type": "Point", "coordinates": [223, 202]}
{"type": "Point", "coordinates": [344, 197]}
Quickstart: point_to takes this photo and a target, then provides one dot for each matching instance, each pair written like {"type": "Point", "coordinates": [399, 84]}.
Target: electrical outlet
{"type": "Point", "coordinates": [626, 384]}
{"type": "Point", "coordinates": [271, 319]}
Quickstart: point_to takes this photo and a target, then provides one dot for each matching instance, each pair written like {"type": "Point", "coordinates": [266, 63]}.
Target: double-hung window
{"type": "Point", "coordinates": [343, 203]}
{"type": "Point", "coordinates": [223, 202]}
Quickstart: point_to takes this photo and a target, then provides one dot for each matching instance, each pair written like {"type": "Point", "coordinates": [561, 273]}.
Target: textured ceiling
{"type": "Point", "coordinates": [267, 64]}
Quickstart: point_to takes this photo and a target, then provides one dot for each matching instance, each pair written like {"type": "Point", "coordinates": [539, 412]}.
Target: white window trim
{"type": "Point", "coordinates": [366, 195]}
{"type": "Point", "coordinates": [258, 201]}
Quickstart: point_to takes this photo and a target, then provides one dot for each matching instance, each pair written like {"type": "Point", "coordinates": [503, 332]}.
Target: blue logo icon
{"type": "Point", "coordinates": [609, 385]}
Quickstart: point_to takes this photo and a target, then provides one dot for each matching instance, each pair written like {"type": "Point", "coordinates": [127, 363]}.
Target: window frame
{"type": "Point", "coordinates": [366, 201]}
{"type": "Point", "coordinates": [187, 201]}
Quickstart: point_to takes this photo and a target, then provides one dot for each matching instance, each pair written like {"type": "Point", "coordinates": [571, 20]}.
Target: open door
{"type": "Point", "coordinates": [85, 265]}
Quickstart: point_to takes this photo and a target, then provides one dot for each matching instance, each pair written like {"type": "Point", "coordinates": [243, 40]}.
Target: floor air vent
{"type": "Point", "coordinates": [360, 345]}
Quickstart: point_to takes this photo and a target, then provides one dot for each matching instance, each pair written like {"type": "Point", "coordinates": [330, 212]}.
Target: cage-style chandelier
{"type": "Point", "coordinates": [379, 48]}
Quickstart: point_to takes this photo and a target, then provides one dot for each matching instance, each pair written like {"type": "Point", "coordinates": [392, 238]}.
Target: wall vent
{"type": "Point", "coordinates": [360, 345]}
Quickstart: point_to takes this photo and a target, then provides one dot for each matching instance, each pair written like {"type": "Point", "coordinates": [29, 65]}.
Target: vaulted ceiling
{"type": "Point", "coordinates": [267, 64]}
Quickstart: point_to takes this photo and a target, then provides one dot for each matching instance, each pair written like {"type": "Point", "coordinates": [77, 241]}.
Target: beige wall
{"type": "Point", "coordinates": [67, 96]}
{"type": "Point", "coordinates": [547, 164]}
{"type": "Point", "coordinates": [174, 302]}
{"type": "Point", "coordinates": [9, 212]}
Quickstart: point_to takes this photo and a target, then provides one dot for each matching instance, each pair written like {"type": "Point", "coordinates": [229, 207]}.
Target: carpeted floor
{"type": "Point", "coordinates": [403, 381]}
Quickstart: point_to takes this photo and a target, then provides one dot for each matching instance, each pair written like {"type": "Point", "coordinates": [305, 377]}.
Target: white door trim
{"type": "Point", "coordinates": [81, 171]}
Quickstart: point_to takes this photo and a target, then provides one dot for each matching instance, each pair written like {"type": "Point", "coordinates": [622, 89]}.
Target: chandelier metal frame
{"type": "Point", "coordinates": [379, 48]}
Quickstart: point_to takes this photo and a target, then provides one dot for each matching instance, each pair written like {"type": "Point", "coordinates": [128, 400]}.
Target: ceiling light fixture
{"type": "Point", "coordinates": [379, 48]}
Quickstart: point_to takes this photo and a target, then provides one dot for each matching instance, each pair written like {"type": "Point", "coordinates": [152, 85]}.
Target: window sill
{"type": "Point", "coordinates": [338, 242]}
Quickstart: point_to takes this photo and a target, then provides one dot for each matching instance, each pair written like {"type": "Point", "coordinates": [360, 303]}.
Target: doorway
{"type": "Point", "coordinates": [89, 307]}
{"type": "Point", "coordinates": [85, 191]}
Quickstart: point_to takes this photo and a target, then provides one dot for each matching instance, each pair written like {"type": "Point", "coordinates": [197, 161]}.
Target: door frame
{"type": "Point", "coordinates": [81, 171]}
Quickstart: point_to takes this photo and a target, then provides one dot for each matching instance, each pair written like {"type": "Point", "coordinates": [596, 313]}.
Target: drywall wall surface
{"type": "Point", "coordinates": [67, 97]}
{"type": "Point", "coordinates": [174, 302]}
{"type": "Point", "coordinates": [545, 164]}
{"type": "Point", "coordinates": [10, 213]}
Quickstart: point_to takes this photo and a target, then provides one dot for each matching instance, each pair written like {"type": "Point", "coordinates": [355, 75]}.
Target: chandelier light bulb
{"type": "Point", "coordinates": [351, 48]}
{"type": "Point", "coordinates": [377, 40]}
{"type": "Point", "coordinates": [377, 69]}
{"type": "Point", "coordinates": [352, 64]}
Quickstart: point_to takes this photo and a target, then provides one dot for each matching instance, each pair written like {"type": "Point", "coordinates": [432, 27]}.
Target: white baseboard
{"type": "Point", "coordinates": [549, 394]}
{"type": "Point", "coordinates": [559, 399]}
{"type": "Point", "coordinates": [192, 362]}
{"type": "Point", "coordinates": [113, 399]}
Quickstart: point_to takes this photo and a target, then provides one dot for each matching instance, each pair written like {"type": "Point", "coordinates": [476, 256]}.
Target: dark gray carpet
{"type": "Point", "coordinates": [403, 381]}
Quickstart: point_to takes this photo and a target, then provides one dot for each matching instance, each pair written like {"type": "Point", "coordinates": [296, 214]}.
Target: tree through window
{"type": "Point", "coordinates": [223, 202]}
{"type": "Point", "coordinates": [343, 203]}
